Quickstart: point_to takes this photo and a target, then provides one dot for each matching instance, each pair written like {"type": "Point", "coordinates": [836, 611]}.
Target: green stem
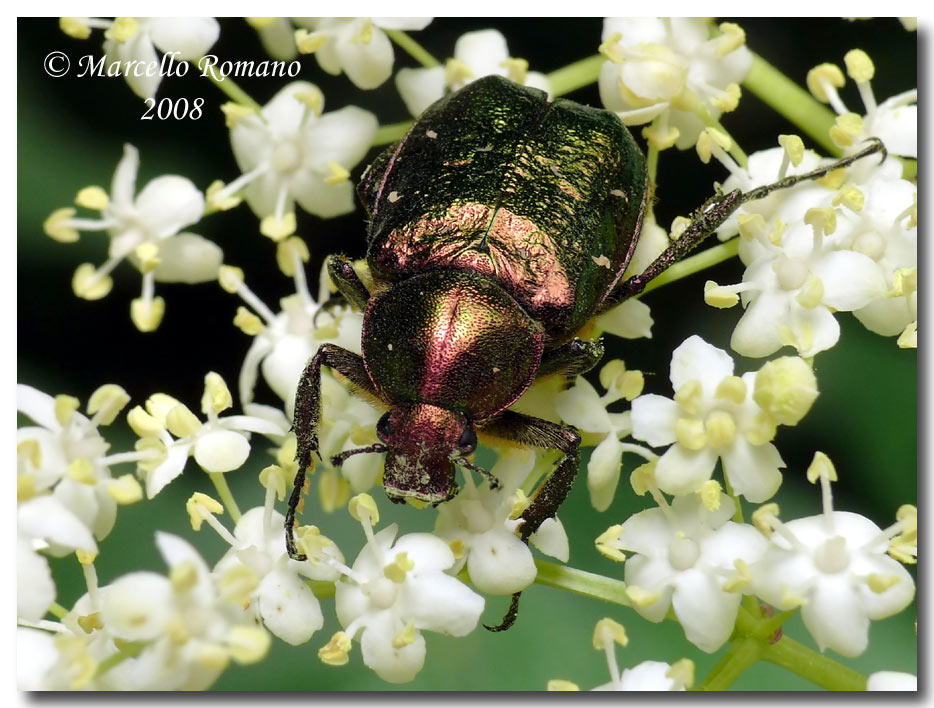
{"type": "Point", "coordinates": [128, 650]}
{"type": "Point", "coordinates": [792, 101]}
{"type": "Point", "coordinates": [742, 653]}
{"type": "Point", "coordinates": [413, 48]}
{"type": "Point", "coordinates": [815, 667]}
{"type": "Point", "coordinates": [57, 610]}
{"type": "Point", "coordinates": [390, 133]}
{"type": "Point", "coordinates": [323, 589]}
{"type": "Point", "coordinates": [227, 499]}
{"type": "Point", "coordinates": [574, 76]}
{"type": "Point", "coordinates": [233, 91]}
{"type": "Point", "coordinates": [581, 582]}
{"type": "Point", "coordinates": [696, 263]}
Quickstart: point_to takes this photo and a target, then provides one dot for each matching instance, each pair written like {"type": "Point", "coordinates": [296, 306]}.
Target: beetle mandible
{"type": "Point", "coordinates": [499, 225]}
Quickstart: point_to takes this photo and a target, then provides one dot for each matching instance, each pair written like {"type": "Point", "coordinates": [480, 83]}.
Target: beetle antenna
{"type": "Point", "coordinates": [338, 460]}
{"type": "Point", "coordinates": [486, 474]}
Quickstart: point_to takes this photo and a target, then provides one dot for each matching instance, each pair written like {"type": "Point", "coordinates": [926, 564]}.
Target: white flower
{"type": "Point", "coordinates": [394, 591]}
{"type": "Point", "coordinates": [145, 229]}
{"type": "Point", "coordinates": [834, 566]}
{"type": "Point", "coordinates": [583, 408]}
{"type": "Point", "coordinates": [892, 681]}
{"type": "Point", "coordinates": [64, 481]}
{"type": "Point", "coordinates": [357, 46]}
{"type": "Point", "coordinates": [35, 588]}
{"type": "Point", "coordinates": [687, 557]}
{"type": "Point", "coordinates": [485, 521]}
{"type": "Point", "coordinates": [669, 71]}
{"type": "Point", "coordinates": [716, 415]}
{"type": "Point", "coordinates": [135, 39]}
{"type": "Point", "coordinates": [291, 152]}
{"type": "Point", "coordinates": [647, 676]}
{"type": "Point", "coordinates": [476, 54]}
{"type": "Point", "coordinates": [219, 445]}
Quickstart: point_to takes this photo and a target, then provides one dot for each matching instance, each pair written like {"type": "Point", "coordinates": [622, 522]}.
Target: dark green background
{"type": "Point", "coordinates": [70, 134]}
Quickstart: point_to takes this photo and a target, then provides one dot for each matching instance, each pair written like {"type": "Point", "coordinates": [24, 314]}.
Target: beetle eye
{"type": "Point", "coordinates": [468, 439]}
{"type": "Point", "coordinates": [382, 428]}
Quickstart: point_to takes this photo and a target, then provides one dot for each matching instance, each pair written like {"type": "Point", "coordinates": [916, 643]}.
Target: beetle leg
{"type": "Point", "coordinates": [571, 359]}
{"type": "Point", "coordinates": [348, 283]}
{"type": "Point", "coordinates": [307, 414]}
{"type": "Point", "coordinates": [550, 495]}
{"type": "Point", "coordinates": [713, 213]}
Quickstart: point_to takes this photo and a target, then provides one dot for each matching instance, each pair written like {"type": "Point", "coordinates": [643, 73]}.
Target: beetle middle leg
{"type": "Point", "coordinates": [711, 216]}
{"type": "Point", "coordinates": [308, 413]}
{"type": "Point", "coordinates": [550, 495]}
{"type": "Point", "coordinates": [575, 357]}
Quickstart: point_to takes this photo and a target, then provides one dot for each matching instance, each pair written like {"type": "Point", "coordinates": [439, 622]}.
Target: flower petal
{"type": "Point", "coordinates": [631, 319]}
{"type": "Point", "coordinates": [440, 603]}
{"type": "Point", "coordinates": [603, 472]}
{"type": "Point", "coordinates": [168, 204]}
{"type": "Point", "coordinates": [395, 665]}
{"type": "Point", "coordinates": [706, 613]}
{"type": "Point", "coordinates": [221, 451]}
{"type": "Point", "coordinates": [683, 471]}
{"type": "Point", "coordinates": [35, 589]}
{"type": "Point", "coordinates": [342, 136]}
{"type": "Point", "coordinates": [47, 518]}
{"type": "Point", "coordinates": [38, 406]}
{"type": "Point", "coordinates": [191, 37]}
{"type": "Point", "coordinates": [653, 419]}
{"type": "Point", "coordinates": [834, 617]}
{"type": "Point", "coordinates": [188, 258]}
{"type": "Point", "coordinates": [551, 539]}
{"type": "Point", "coordinates": [499, 563]}
{"type": "Point", "coordinates": [419, 88]}
{"type": "Point", "coordinates": [483, 51]}
{"type": "Point", "coordinates": [137, 49]}
{"type": "Point", "coordinates": [753, 470]}
{"type": "Point", "coordinates": [696, 359]}
{"type": "Point", "coordinates": [289, 608]}
{"type": "Point", "coordinates": [851, 280]}
{"type": "Point", "coordinates": [367, 64]}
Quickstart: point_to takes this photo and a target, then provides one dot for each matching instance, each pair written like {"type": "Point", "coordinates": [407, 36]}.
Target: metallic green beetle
{"type": "Point", "coordinates": [498, 227]}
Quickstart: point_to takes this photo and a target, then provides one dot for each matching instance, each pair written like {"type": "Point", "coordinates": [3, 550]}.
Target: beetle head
{"type": "Point", "coordinates": [422, 443]}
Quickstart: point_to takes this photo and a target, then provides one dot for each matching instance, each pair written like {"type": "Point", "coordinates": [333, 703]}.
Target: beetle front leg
{"type": "Point", "coordinates": [347, 282]}
{"type": "Point", "coordinates": [307, 415]}
{"type": "Point", "coordinates": [575, 357]}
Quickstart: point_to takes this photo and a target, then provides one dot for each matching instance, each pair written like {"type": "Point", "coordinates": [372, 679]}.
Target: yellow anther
{"type": "Point", "coordinates": [309, 42]}
{"type": "Point", "coordinates": [230, 278]}
{"type": "Point", "coordinates": [458, 548]}
{"type": "Point", "coordinates": [689, 396]}
{"type": "Point", "coordinates": [793, 146]}
{"type": "Point", "coordinates": [519, 504]}
{"type": "Point", "coordinates": [775, 235]}
{"type": "Point", "coordinates": [336, 174]}
{"type": "Point", "coordinates": [740, 580]}
{"type": "Point", "coordinates": [731, 388]}
{"type": "Point", "coordinates": [183, 576]}
{"type": "Point", "coordinates": [607, 542]}
{"type": "Point", "coordinates": [273, 477]}
{"type": "Point", "coordinates": [64, 408]}
{"type": "Point", "coordinates": [148, 255]}
{"type": "Point", "coordinates": [691, 433]}
{"type": "Point", "coordinates": [107, 402]}
{"type": "Point", "coordinates": [237, 584]}
{"type": "Point", "coordinates": [25, 487]}
{"type": "Point", "coordinates": [159, 405]}
{"type": "Point", "coordinates": [396, 570]}
{"type": "Point", "coordinates": [29, 449]}
{"type": "Point", "coordinates": [640, 597]}
{"type": "Point", "coordinates": [859, 66]}
{"type": "Point", "coordinates": [846, 129]}
{"type": "Point", "coordinates": [631, 384]}
{"type": "Point", "coordinates": [333, 490]}
{"type": "Point", "coordinates": [313, 98]}
{"type": "Point", "coordinates": [904, 282]}
{"type": "Point", "coordinates": [286, 252]}
{"type": "Point", "coordinates": [751, 226]}
{"type": "Point", "coordinates": [216, 397]}
{"type": "Point", "coordinates": [904, 547]}
{"type": "Point", "coordinates": [764, 516]}
{"type": "Point", "coordinates": [610, 48]}
{"type": "Point", "coordinates": [142, 423]}
{"type": "Point", "coordinates": [336, 651]}
{"type": "Point", "coordinates": [790, 599]}
{"type": "Point", "coordinates": [365, 35]}
{"type": "Point", "coordinates": [260, 23]}
{"type": "Point", "coordinates": [312, 542]}
{"type": "Point", "coordinates": [682, 672]}
{"type": "Point", "coordinates": [125, 490]}
{"type": "Point", "coordinates": [82, 470]}
{"type": "Point", "coordinates": [285, 454]}
{"type": "Point", "coordinates": [661, 138]}
{"type": "Point", "coordinates": [761, 429]}
{"type": "Point", "coordinates": [362, 506]}
{"type": "Point", "coordinates": [247, 322]}
{"type": "Point", "coordinates": [277, 229]}
{"type": "Point", "coordinates": [176, 631]}
{"type": "Point", "coordinates": [811, 293]}
{"type": "Point", "coordinates": [56, 226]}
{"type": "Point", "coordinates": [235, 113]}
{"type": "Point", "coordinates": [607, 631]}
{"type": "Point", "coordinates": [456, 72]}
{"type": "Point", "coordinates": [155, 453]}
{"type": "Point", "coordinates": [851, 197]}
{"type": "Point", "coordinates": [908, 339]}
{"type": "Point", "coordinates": [732, 38]}
{"type": "Point", "coordinates": [833, 179]}
{"type": "Point", "coordinates": [92, 198]}
{"type": "Point", "coordinates": [89, 623]}
{"type": "Point", "coordinates": [678, 226]}
{"type": "Point", "coordinates": [88, 285]}
{"type": "Point", "coordinates": [880, 583]}
{"type": "Point", "coordinates": [516, 69]}
{"type": "Point", "coordinates": [642, 479]}
{"type": "Point", "coordinates": [908, 514]}
{"type": "Point", "coordinates": [85, 557]}
{"type": "Point", "coordinates": [785, 388]}
{"type": "Point", "coordinates": [147, 314]}
{"type": "Point", "coordinates": [248, 645]}
{"type": "Point", "coordinates": [123, 29]}
{"type": "Point", "coordinates": [727, 100]}
{"type": "Point", "coordinates": [823, 218]}
{"type": "Point", "coordinates": [405, 637]}
{"type": "Point", "coordinates": [76, 27]}
{"type": "Point", "coordinates": [212, 656]}
{"type": "Point", "coordinates": [721, 429]}
{"type": "Point", "coordinates": [562, 685]}
{"type": "Point", "coordinates": [217, 200]}
{"type": "Point", "coordinates": [199, 506]}
{"type": "Point", "coordinates": [718, 296]}
{"type": "Point", "coordinates": [181, 422]}
{"type": "Point", "coordinates": [822, 76]}
{"type": "Point", "coordinates": [709, 494]}
{"type": "Point", "coordinates": [710, 143]}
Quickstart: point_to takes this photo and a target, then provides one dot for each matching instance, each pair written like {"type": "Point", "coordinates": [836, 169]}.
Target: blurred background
{"type": "Point", "coordinates": [70, 135]}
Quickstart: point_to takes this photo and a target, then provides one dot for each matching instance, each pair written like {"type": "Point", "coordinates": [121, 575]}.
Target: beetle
{"type": "Point", "coordinates": [499, 225]}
